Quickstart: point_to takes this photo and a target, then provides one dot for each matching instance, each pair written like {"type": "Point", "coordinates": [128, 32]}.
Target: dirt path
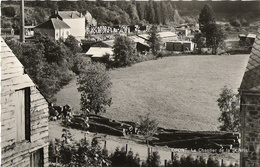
{"type": "Point", "coordinates": [112, 142]}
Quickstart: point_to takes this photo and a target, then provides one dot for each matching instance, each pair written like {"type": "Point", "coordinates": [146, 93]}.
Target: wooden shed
{"type": "Point", "coordinates": [24, 116]}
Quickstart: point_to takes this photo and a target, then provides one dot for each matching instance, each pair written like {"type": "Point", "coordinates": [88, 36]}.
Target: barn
{"type": "Point", "coordinates": [24, 116]}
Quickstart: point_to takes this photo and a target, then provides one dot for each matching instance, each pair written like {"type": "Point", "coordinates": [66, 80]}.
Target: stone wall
{"type": "Point", "coordinates": [250, 146]}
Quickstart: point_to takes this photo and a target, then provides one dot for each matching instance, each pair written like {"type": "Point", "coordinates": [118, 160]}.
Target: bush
{"type": "Point", "coordinates": [9, 11]}
{"type": "Point", "coordinates": [121, 158]}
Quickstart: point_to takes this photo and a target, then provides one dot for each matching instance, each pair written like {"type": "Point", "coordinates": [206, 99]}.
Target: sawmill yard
{"type": "Point", "coordinates": [180, 92]}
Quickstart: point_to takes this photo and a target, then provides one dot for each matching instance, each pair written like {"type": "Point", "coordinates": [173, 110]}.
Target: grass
{"type": "Point", "coordinates": [180, 92]}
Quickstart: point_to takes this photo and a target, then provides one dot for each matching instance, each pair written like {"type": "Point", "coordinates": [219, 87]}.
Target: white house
{"type": "Point", "coordinates": [75, 20]}
{"type": "Point", "coordinates": [54, 28]}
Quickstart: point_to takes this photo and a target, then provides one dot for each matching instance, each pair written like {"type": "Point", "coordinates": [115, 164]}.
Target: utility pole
{"type": "Point", "coordinates": [22, 38]}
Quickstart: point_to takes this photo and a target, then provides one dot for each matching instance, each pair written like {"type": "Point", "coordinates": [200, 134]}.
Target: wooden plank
{"type": "Point", "coordinates": [38, 132]}
{"type": "Point", "coordinates": [39, 136]}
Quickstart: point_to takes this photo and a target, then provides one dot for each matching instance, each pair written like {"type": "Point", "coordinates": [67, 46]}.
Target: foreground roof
{"type": "Point", "coordinates": [99, 51]}
{"type": "Point", "coordinates": [54, 23]}
{"type": "Point", "coordinates": [251, 79]}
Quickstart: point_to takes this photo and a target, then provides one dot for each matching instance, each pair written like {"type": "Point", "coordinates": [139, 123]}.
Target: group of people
{"type": "Point", "coordinates": [58, 112]}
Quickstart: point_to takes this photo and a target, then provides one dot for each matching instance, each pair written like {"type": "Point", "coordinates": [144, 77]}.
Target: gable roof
{"type": "Point", "coordinates": [99, 51]}
{"type": "Point", "coordinates": [54, 23]}
{"type": "Point", "coordinates": [251, 79]}
{"type": "Point", "coordinates": [69, 14]}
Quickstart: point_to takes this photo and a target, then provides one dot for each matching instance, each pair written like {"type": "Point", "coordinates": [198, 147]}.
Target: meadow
{"type": "Point", "coordinates": [180, 92]}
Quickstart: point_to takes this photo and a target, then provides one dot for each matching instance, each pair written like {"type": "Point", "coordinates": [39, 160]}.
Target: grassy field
{"type": "Point", "coordinates": [180, 92]}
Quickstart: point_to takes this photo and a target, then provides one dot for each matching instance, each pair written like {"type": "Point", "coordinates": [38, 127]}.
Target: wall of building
{"type": "Point", "coordinates": [49, 32]}
{"type": "Point", "coordinates": [62, 33]}
{"type": "Point", "coordinates": [250, 146]}
{"type": "Point", "coordinates": [77, 26]}
{"type": "Point", "coordinates": [13, 79]}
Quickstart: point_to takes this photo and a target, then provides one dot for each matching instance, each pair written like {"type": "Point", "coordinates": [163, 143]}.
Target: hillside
{"type": "Point", "coordinates": [132, 12]}
{"type": "Point", "coordinates": [179, 92]}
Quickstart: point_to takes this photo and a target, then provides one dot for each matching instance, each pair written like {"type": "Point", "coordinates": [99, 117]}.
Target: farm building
{"type": "Point", "coordinates": [250, 110]}
{"type": "Point", "coordinates": [54, 28]}
{"type": "Point", "coordinates": [165, 36]}
{"type": "Point", "coordinates": [75, 20]}
{"type": "Point", "coordinates": [141, 44]}
{"type": "Point", "coordinates": [97, 53]}
{"type": "Point", "coordinates": [24, 116]}
{"type": "Point", "coordinates": [180, 46]}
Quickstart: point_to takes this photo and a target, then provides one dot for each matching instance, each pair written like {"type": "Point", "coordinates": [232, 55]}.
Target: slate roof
{"type": "Point", "coordinates": [54, 23]}
{"type": "Point", "coordinates": [69, 14]}
{"type": "Point", "coordinates": [251, 79]}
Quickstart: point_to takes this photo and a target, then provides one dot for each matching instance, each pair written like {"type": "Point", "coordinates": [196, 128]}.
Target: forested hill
{"type": "Point", "coordinates": [130, 12]}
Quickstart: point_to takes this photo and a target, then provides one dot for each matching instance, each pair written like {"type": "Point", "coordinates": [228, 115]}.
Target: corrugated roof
{"type": "Point", "coordinates": [251, 79]}
{"type": "Point", "coordinates": [69, 14]}
{"type": "Point", "coordinates": [99, 51]}
{"type": "Point", "coordinates": [53, 23]}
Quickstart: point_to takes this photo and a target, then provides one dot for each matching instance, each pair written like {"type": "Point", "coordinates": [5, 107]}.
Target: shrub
{"type": "Point", "coordinates": [121, 158]}
{"type": "Point", "coordinates": [9, 11]}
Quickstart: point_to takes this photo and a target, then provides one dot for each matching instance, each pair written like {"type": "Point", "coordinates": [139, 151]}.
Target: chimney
{"type": "Point", "coordinates": [22, 38]}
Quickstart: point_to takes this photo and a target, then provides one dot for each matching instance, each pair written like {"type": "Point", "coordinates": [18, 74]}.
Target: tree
{"type": "Point", "coordinates": [199, 40]}
{"type": "Point", "coordinates": [213, 33]}
{"type": "Point", "coordinates": [154, 39]}
{"type": "Point", "coordinates": [121, 158]}
{"type": "Point", "coordinates": [73, 44]}
{"type": "Point", "coordinates": [206, 17]}
{"type": "Point", "coordinates": [124, 51]}
{"type": "Point", "coordinates": [228, 103]}
{"type": "Point", "coordinates": [95, 87]}
{"type": "Point", "coordinates": [215, 37]}
{"type": "Point", "coordinates": [153, 160]}
{"type": "Point", "coordinates": [147, 127]}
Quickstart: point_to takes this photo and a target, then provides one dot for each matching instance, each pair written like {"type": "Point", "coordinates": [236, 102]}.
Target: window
{"type": "Point", "coordinates": [36, 158]}
{"type": "Point", "coordinates": [22, 114]}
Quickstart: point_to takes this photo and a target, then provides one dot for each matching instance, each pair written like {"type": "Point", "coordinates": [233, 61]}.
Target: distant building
{"type": "Point", "coordinates": [54, 28]}
{"type": "Point", "coordinates": [29, 30]}
{"type": "Point", "coordinates": [246, 41]}
{"type": "Point", "coordinates": [180, 46]}
{"type": "Point", "coordinates": [96, 53]}
{"type": "Point", "coordinates": [250, 110]}
{"type": "Point", "coordinates": [24, 116]}
{"type": "Point", "coordinates": [75, 20]}
{"type": "Point", "coordinates": [141, 44]}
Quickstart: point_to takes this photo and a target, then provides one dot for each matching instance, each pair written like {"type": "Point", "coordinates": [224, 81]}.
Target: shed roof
{"type": "Point", "coordinates": [251, 79]}
{"type": "Point", "coordinates": [139, 39]}
{"type": "Point", "coordinates": [69, 14]}
{"type": "Point", "coordinates": [54, 23]}
{"type": "Point", "coordinates": [99, 51]}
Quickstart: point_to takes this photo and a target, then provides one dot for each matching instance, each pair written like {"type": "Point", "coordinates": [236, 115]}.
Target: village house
{"type": "Point", "coordinates": [250, 109]}
{"type": "Point", "coordinates": [75, 20]}
{"type": "Point", "coordinates": [54, 28]}
{"type": "Point", "coordinates": [24, 116]}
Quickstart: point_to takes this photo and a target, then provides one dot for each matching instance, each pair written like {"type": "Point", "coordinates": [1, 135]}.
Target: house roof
{"type": "Point", "coordinates": [54, 23]}
{"type": "Point", "coordinates": [164, 34]}
{"type": "Point", "coordinates": [69, 14]}
{"type": "Point", "coordinates": [251, 79]}
{"type": "Point", "coordinates": [109, 42]}
{"type": "Point", "coordinates": [99, 51]}
{"type": "Point", "coordinates": [140, 40]}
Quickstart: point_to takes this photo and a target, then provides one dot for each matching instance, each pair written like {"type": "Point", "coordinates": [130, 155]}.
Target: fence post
{"type": "Point", "coordinates": [165, 162]}
{"type": "Point", "coordinates": [222, 162]}
{"type": "Point", "coordinates": [126, 145]}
